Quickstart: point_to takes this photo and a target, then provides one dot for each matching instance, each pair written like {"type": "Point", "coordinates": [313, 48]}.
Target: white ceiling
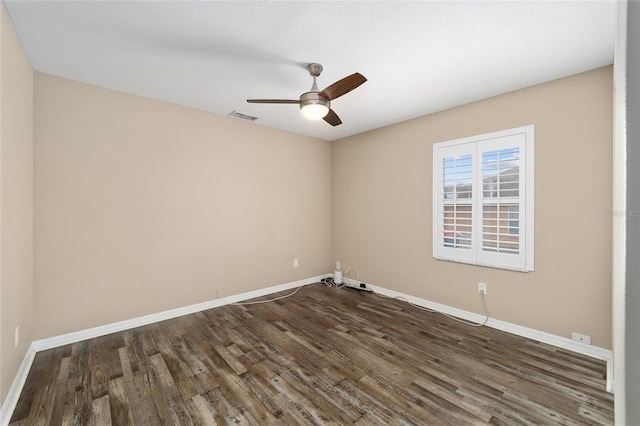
{"type": "Point", "coordinates": [419, 57]}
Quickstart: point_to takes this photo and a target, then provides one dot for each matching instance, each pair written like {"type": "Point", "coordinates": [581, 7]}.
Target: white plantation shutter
{"type": "Point", "coordinates": [502, 177]}
{"type": "Point", "coordinates": [455, 207]}
{"type": "Point", "coordinates": [483, 199]}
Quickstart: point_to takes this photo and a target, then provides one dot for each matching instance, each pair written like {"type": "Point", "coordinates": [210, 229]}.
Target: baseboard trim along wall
{"type": "Point", "coordinates": [53, 342]}
{"type": "Point", "coordinates": [16, 387]}
{"type": "Point", "coordinates": [529, 333]}
{"type": "Point", "coordinates": [65, 339]}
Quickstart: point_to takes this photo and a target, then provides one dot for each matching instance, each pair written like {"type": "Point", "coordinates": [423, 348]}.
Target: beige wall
{"type": "Point", "coordinates": [16, 202]}
{"type": "Point", "coordinates": [382, 208]}
{"type": "Point", "coordinates": [143, 206]}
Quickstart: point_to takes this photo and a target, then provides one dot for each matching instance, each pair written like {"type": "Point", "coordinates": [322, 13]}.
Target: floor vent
{"type": "Point", "coordinates": [242, 115]}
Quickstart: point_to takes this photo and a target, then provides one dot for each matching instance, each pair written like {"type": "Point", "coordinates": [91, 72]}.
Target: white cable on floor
{"type": "Point", "coordinates": [469, 323]}
{"type": "Point", "coordinates": [327, 283]}
{"type": "Point", "coordinates": [258, 301]}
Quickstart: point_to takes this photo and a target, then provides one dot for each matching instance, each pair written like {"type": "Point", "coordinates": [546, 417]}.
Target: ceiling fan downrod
{"type": "Point", "coordinates": [315, 70]}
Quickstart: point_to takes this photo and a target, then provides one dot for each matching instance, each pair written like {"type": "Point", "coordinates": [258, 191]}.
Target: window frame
{"type": "Point", "coordinates": [523, 137]}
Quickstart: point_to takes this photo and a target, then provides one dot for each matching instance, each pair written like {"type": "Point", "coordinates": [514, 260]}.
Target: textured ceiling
{"type": "Point", "coordinates": [419, 57]}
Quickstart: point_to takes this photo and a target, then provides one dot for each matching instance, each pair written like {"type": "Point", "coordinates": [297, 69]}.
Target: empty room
{"type": "Point", "coordinates": [240, 212]}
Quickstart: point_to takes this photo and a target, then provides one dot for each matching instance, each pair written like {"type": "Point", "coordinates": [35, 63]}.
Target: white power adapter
{"type": "Point", "coordinates": [337, 276]}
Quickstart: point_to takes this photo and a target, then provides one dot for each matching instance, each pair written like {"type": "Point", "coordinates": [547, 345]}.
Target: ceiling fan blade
{"type": "Point", "coordinates": [332, 118]}
{"type": "Point", "coordinates": [343, 86]}
{"type": "Point", "coordinates": [273, 101]}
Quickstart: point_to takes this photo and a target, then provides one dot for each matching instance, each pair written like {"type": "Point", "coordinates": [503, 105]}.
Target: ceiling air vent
{"type": "Point", "coordinates": [242, 115]}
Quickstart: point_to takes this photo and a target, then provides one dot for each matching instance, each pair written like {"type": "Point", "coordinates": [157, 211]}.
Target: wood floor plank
{"type": "Point", "coordinates": [168, 394]}
{"type": "Point", "coordinates": [452, 398]}
{"type": "Point", "coordinates": [44, 395]}
{"type": "Point", "coordinates": [57, 409]}
{"type": "Point", "coordinates": [204, 411]}
{"type": "Point", "coordinates": [240, 404]}
{"type": "Point", "coordinates": [177, 369]}
{"type": "Point", "coordinates": [322, 356]}
{"type": "Point", "coordinates": [119, 403]}
{"type": "Point", "coordinates": [100, 411]}
{"type": "Point", "coordinates": [99, 365]}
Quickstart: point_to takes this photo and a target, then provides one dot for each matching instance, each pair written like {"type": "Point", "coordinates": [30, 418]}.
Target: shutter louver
{"type": "Point", "coordinates": [457, 194]}
{"type": "Point", "coordinates": [500, 200]}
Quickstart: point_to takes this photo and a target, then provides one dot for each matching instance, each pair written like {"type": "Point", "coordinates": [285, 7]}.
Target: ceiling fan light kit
{"type": "Point", "coordinates": [316, 104]}
{"type": "Point", "coordinates": [313, 107]}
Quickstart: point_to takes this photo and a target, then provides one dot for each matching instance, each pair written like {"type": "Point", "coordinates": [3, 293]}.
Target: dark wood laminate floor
{"type": "Point", "coordinates": [322, 356]}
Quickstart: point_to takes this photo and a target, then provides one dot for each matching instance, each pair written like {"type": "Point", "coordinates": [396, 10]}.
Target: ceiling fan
{"type": "Point", "coordinates": [316, 104]}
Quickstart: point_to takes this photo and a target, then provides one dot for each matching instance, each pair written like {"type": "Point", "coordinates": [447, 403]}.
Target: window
{"type": "Point", "coordinates": [483, 199]}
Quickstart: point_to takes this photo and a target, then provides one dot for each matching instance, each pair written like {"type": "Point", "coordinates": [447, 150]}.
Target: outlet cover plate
{"type": "Point", "coordinates": [582, 338]}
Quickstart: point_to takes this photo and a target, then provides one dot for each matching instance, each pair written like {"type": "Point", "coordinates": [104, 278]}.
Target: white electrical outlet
{"type": "Point", "coordinates": [482, 288]}
{"type": "Point", "coordinates": [337, 266]}
{"type": "Point", "coordinates": [295, 263]}
{"type": "Point", "coordinates": [582, 338]}
{"type": "Point", "coordinates": [17, 336]}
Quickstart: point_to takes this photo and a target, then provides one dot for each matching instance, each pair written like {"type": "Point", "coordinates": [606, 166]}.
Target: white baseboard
{"type": "Point", "coordinates": [529, 333]}
{"type": "Point", "coordinates": [39, 345]}
{"type": "Point", "coordinates": [11, 400]}
{"type": "Point", "coordinates": [65, 339]}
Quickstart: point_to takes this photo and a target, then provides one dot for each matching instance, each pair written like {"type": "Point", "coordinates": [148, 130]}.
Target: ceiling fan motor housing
{"type": "Point", "coordinates": [314, 69]}
{"type": "Point", "coordinates": [313, 98]}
